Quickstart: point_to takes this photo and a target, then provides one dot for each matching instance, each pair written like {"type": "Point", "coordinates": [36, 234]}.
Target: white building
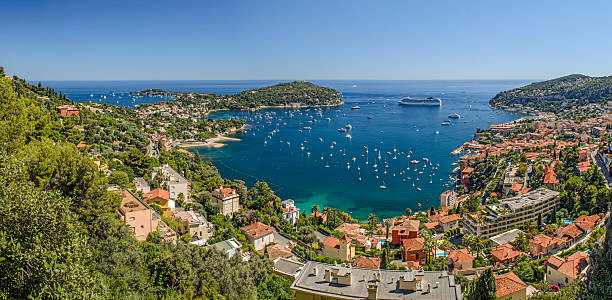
{"type": "Point", "coordinates": [177, 184]}
{"type": "Point", "coordinates": [447, 198]}
{"type": "Point", "coordinates": [290, 212]}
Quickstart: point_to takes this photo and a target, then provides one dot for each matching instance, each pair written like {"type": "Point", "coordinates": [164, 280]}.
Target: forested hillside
{"type": "Point", "coordinates": [60, 237]}
{"type": "Point", "coordinates": [283, 94]}
{"type": "Point", "coordinates": [558, 94]}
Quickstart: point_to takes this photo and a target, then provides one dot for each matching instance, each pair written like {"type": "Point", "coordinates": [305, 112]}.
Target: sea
{"type": "Point", "coordinates": [381, 158]}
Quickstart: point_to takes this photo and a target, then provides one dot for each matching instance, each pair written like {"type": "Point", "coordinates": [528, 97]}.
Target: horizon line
{"type": "Point", "coordinates": [311, 79]}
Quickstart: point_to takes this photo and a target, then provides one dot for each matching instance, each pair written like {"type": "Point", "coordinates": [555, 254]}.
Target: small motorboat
{"type": "Point", "coordinates": [356, 107]}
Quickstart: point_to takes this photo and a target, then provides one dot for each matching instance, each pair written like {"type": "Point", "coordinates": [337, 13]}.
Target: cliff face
{"type": "Point", "coordinates": [599, 274]}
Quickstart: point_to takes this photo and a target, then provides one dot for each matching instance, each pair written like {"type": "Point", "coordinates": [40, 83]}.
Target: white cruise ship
{"type": "Point", "coordinates": [430, 101]}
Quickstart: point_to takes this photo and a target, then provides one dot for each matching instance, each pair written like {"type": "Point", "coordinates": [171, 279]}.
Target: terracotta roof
{"type": "Point", "coordinates": [431, 225]}
{"type": "Point", "coordinates": [460, 255]}
{"type": "Point", "coordinates": [275, 251]}
{"type": "Point", "coordinates": [517, 187]}
{"type": "Point", "coordinates": [414, 244]}
{"type": "Point", "coordinates": [505, 252]}
{"type": "Point", "coordinates": [332, 242]}
{"type": "Point", "coordinates": [157, 193]}
{"type": "Point", "coordinates": [586, 222]}
{"type": "Point", "coordinates": [188, 216]}
{"type": "Point", "coordinates": [367, 262]}
{"type": "Point", "coordinates": [507, 284]}
{"type": "Point", "coordinates": [574, 264]}
{"type": "Point", "coordinates": [257, 229]}
{"type": "Point", "coordinates": [407, 225]}
{"type": "Point", "coordinates": [571, 266]}
{"type": "Point", "coordinates": [544, 241]}
{"type": "Point", "coordinates": [450, 218]}
{"type": "Point", "coordinates": [570, 230]}
{"type": "Point", "coordinates": [555, 261]}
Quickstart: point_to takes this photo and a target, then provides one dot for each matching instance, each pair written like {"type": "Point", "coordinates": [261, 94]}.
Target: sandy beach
{"type": "Point", "coordinates": [215, 142]}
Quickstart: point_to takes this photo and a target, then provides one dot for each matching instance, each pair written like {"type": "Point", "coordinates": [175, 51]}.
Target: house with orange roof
{"type": "Point", "coordinates": [449, 222]}
{"type": "Point", "coordinates": [258, 234]}
{"type": "Point", "coordinates": [339, 248]}
{"type": "Point", "coordinates": [587, 223]}
{"type": "Point", "coordinates": [562, 272]}
{"type": "Point", "coordinates": [412, 249]}
{"type": "Point", "coordinates": [277, 250]}
{"type": "Point", "coordinates": [508, 286]}
{"type": "Point", "coordinates": [505, 254]}
{"type": "Point", "coordinates": [550, 177]}
{"type": "Point", "coordinates": [460, 259]}
{"type": "Point", "coordinates": [227, 199]}
{"type": "Point", "coordinates": [68, 110]}
{"type": "Point", "coordinates": [404, 229]}
{"type": "Point", "coordinates": [323, 216]}
{"type": "Point", "coordinates": [161, 198]}
{"type": "Point", "coordinates": [367, 262]}
{"type": "Point", "coordinates": [541, 245]}
{"type": "Point", "coordinates": [570, 232]}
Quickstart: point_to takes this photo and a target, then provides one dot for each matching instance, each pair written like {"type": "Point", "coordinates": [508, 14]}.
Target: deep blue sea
{"type": "Point", "coordinates": [322, 165]}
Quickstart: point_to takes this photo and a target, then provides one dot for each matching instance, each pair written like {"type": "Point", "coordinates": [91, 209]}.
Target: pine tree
{"type": "Point", "coordinates": [484, 287]}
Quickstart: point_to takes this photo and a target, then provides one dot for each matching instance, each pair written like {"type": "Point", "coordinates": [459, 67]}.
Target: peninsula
{"type": "Point", "coordinates": [556, 95]}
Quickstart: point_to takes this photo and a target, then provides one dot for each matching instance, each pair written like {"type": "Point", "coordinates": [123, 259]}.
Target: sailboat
{"type": "Point", "coordinates": [383, 186]}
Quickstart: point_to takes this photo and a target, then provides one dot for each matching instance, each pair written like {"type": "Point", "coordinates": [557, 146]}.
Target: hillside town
{"type": "Point", "coordinates": [528, 210]}
{"type": "Point", "coordinates": [530, 204]}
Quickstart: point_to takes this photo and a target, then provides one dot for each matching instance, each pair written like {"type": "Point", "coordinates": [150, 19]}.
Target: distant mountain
{"type": "Point", "coordinates": [557, 94]}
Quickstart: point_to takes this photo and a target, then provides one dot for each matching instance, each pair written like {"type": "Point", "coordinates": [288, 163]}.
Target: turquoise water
{"type": "Point", "coordinates": [323, 177]}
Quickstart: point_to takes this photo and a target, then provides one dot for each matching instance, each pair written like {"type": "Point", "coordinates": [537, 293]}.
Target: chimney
{"type": "Point", "coordinates": [315, 271]}
{"type": "Point", "coordinates": [437, 284]}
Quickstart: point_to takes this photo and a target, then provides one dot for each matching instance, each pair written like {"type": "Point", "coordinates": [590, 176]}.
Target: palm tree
{"type": "Point", "coordinates": [429, 244]}
{"type": "Point", "coordinates": [372, 219]}
{"type": "Point", "coordinates": [408, 211]}
{"type": "Point", "coordinates": [468, 241]}
{"type": "Point", "coordinates": [314, 209]}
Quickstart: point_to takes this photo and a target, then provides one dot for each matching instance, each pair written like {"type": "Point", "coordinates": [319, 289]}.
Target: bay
{"type": "Point", "coordinates": [330, 176]}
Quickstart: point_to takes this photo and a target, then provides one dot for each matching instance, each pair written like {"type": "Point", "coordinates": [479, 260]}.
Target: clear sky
{"type": "Point", "coordinates": [330, 39]}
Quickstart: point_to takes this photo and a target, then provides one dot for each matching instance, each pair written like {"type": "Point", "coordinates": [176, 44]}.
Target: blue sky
{"type": "Point", "coordinates": [332, 39]}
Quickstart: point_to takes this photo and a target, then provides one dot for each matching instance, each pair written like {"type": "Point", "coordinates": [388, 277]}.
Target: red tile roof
{"type": "Point", "coordinates": [414, 244]}
{"type": "Point", "coordinates": [257, 229]}
{"type": "Point", "coordinates": [571, 231]}
{"type": "Point", "coordinates": [450, 218]}
{"type": "Point", "coordinates": [157, 193]}
{"type": "Point", "coordinates": [367, 262]}
{"type": "Point", "coordinates": [571, 266]}
{"type": "Point", "coordinates": [460, 255]}
{"type": "Point", "coordinates": [332, 242]}
{"type": "Point", "coordinates": [507, 284]}
{"type": "Point", "coordinates": [505, 252]}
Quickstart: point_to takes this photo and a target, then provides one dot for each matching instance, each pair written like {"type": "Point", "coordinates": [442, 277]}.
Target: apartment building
{"type": "Point", "coordinates": [511, 212]}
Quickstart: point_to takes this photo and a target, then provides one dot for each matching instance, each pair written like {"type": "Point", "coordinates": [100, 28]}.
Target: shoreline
{"type": "Point", "coordinates": [274, 107]}
{"type": "Point", "coordinates": [214, 142]}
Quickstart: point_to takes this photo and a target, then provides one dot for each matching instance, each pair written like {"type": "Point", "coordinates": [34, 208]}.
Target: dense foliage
{"type": "Point", "coordinates": [282, 94]}
{"type": "Point", "coordinates": [59, 235]}
{"type": "Point", "coordinates": [558, 94]}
